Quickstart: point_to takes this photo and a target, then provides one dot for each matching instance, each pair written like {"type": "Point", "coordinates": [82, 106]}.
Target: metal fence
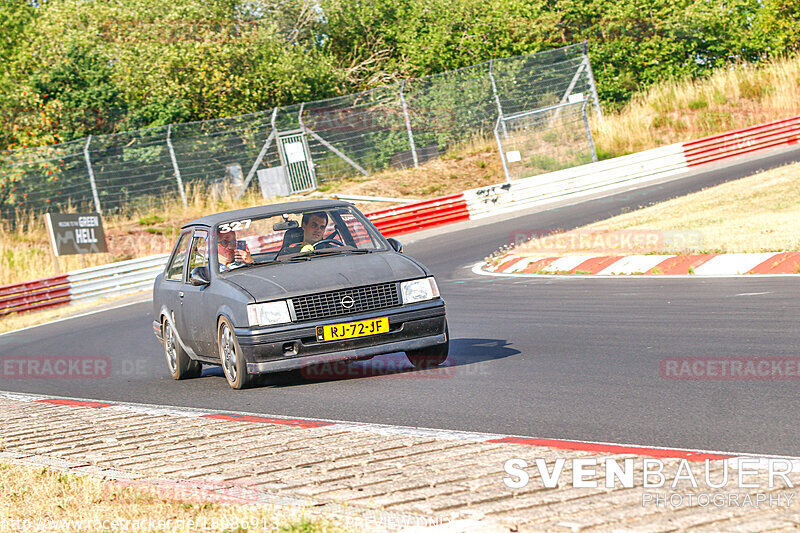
{"type": "Point", "coordinates": [400, 125]}
{"type": "Point", "coordinates": [544, 140]}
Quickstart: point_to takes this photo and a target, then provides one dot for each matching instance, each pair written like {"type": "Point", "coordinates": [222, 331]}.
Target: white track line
{"type": "Point", "coordinates": [367, 427]}
{"type": "Point", "coordinates": [88, 313]}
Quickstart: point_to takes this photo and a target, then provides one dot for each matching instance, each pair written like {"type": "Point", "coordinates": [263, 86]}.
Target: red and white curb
{"type": "Point", "coordinates": [443, 434]}
{"type": "Point", "coordinates": [773, 263]}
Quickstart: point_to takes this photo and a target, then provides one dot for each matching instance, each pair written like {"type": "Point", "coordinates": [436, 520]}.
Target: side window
{"type": "Point", "coordinates": [199, 255]}
{"type": "Point", "coordinates": [358, 231]}
{"type": "Point", "coordinates": [175, 268]}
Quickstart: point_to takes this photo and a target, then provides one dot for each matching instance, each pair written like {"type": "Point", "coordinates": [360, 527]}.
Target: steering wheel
{"type": "Point", "coordinates": [328, 241]}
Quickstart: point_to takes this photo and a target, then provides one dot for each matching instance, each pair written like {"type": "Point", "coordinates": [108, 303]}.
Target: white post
{"type": "Point", "coordinates": [300, 115]}
{"type": "Point", "coordinates": [497, 100]}
{"type": "Point", "coordinates": [175, 165]}
{"type": "Point", "coordinates": [502, 150]}
{"type": "Point", "coordinates": [257, 163]}
{"type": "Point", "coordinates": [591, 81]}
{"type": "Point", "coordinates": [588, 132]}
{"type": "Point", "coordinates": [336, 151]}
{"type": "Point", "coordinates": [574, 80]}
{"type": "Point", "coordinates": [568, 91]}
{"type": "Point", "coordinates": [53, 245]}
{"type": "Point", "coordinates": [272, 135]}
{"type": "Point", "coordinates": [91, 174]}
{"type": "Point", "coordinates": [408, 125]}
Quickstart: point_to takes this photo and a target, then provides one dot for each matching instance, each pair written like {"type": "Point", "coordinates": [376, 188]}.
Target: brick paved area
{"type": "Point", "coordinates": [362, 470]}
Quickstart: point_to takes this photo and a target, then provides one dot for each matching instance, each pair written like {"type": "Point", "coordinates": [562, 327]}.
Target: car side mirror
{"type": "Point", "coordinates": [398, 247]}
{"type": "Point", "coordinates": [199, 276]}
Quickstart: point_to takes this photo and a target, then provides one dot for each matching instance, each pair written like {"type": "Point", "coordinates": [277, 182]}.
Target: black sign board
{"type": "Point", "coordinates": [76, 233]}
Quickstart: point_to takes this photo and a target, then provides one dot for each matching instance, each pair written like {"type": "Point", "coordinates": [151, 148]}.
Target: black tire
{"type": "Point", "coordinates": [431, 356]}
{"type": "Point", "coordinates": [180, 365]}
{"type": "Point", "coordinates": [230, 355]}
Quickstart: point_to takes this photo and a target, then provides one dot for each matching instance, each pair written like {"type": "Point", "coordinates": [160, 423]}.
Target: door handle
{"type": "Point", "coordinates": [180, 294]}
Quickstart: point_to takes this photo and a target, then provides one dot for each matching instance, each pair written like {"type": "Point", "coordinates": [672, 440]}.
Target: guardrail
{"type": "Point", "coordinates": [741, 142]}
{"type": "Point", "coordinates": [123, 277]}
{"type": "Point", "coordinates": [575, 182]}
{"type": "Point", "coordinates": [116, 278]}
{"type": "Point", "coordinates": [37, 294]}
{"type": "Point", "coordinates": [420, 215]}
{"type": "Point", "coordinates": [630, 170]}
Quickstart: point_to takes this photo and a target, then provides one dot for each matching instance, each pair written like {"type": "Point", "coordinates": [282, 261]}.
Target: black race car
{"type": "Point", "coordinates": [283, 286]}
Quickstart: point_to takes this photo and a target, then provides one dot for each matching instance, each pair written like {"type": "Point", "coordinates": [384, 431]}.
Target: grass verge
{"type": "Point", "coordinates": [759, 213]}
{"type": "Point", "coordinates": [40, 499]}
{"type": "Point", "coordinates": [686, 109]}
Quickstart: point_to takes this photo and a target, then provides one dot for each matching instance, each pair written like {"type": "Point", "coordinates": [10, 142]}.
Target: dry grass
{"type": "Point", "coordinates": [667, 113]}
{"type": "Point", "coordinates": [48, 499]}
{"type": "Point", "coordinates": [687, 109]}
{"type": "Point", "coordinates": [151, 229]}
{"type": "Point", "coordinates": [759, 213]}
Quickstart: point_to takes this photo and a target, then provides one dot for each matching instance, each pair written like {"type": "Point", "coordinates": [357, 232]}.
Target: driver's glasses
{"type": "Point", "coordinates": [227, 243]}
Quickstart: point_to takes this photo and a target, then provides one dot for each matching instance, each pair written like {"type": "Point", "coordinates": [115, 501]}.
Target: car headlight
{"type": "Point", "coordinates": [419, 290]}
{"type": "Point", "coordinates": [268, 314]}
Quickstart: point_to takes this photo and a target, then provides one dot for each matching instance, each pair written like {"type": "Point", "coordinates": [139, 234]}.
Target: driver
{"type": "Point", "coordinates": [313, 225]}
{"type": "Point", "coordinates": [227, 252]}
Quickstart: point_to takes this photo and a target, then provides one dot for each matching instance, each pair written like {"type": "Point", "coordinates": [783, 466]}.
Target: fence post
{"type": "Point", "coordinates": [175, 165]}
{"type": "Point", "coordinates": [408, 124]}
{"type": "Point", "coordinates": [272, 135]}
{"type": "Point", "coordinates": [53, 247]}
{"type": "Point", "coordinates": [497, 101]}
{"type": "Point", "coordinates": [591, 80]}
{"type": "Point", "coordinates": [502, 150]}
{"type": "Point", "coordinates": [588, 132]}
{"type": "Point", "coordinates": [91, 174]}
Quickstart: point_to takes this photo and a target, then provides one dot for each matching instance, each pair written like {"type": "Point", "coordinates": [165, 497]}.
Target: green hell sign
{"type": "Point", "coordinates": [76, 233]}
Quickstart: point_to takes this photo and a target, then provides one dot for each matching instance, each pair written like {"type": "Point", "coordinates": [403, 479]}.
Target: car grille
{"type": "Point", "coordinates": [328, 304]}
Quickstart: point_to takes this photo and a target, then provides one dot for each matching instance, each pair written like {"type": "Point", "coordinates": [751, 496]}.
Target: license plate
{"type": "Point", "coordinates": [351, 330]}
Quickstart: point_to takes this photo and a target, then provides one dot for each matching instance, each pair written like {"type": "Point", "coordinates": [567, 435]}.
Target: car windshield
{"type": "Point", "coordinates": [294, 236]}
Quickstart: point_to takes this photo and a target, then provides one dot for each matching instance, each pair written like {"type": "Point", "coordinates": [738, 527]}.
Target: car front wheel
{"type": "Point", "coordinates": [180, 365]}
{"type": "Point", "coordinates": [230, 354]}
{"type": "Point", "coordinates": [431, 356]}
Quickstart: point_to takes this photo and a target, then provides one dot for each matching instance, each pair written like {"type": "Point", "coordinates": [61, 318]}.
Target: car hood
{"type": "Point", "coordinates": [325, 273]}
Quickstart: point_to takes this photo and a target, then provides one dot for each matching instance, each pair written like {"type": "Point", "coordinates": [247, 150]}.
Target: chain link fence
{"type": "Point", "coordinates": [544, 140]}
{"type": "Point", "coordinates": [400, 125]}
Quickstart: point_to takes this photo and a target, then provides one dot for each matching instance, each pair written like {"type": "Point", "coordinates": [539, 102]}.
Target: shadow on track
{"type": "Point", "coordinates": [463, 352]}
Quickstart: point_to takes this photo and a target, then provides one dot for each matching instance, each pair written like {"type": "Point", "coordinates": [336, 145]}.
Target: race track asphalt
{"type": "Point", "coordinates": [557, 358]}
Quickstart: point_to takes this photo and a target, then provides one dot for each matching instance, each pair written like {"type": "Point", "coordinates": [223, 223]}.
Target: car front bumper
{"type": "Point", "coordinates": [294, 346]}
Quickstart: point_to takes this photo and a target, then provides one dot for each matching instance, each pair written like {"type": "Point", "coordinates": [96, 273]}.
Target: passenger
{"type": "Point", "coordinates": [227, 252]}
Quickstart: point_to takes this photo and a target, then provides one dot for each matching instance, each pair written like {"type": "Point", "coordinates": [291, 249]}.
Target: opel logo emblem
{"type": "Point", "coordinates": [348, 302]}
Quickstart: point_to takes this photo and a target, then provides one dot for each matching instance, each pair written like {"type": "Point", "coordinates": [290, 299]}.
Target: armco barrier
{"type": "Point", "coordinates": [743, 142]}
{"type": "Point", "coordinates": [37, 294]}
{"type": "Point", "coordinates": [630, 170]}
{"type": "Point", "coordinates": [86, 284]}
{"type": "Point", "coordinates": [116, 278]}
{"type": "Point", "coordinates": [420, 215]}
{"type": "Point", "coordinates": [575, 182]}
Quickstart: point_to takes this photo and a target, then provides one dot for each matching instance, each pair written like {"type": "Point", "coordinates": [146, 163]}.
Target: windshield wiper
{"type": "Point", "coordinates": [328, 251]}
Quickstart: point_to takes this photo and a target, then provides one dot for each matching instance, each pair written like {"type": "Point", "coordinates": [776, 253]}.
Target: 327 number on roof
{"type": "Point", "coordinates": [234, 226]}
